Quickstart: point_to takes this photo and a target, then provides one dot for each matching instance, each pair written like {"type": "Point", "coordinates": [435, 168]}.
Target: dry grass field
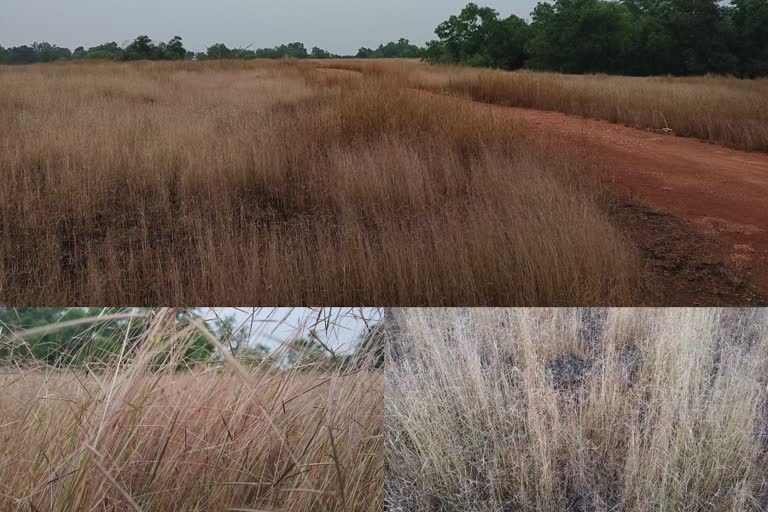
{"type": "Point", "coordinates": [718, 109]}
{"type": "Point", "coordinates": [578, 410]}
{"type": "Point", "coordinates": [135, 436]}
{"type": "Point", "coordinates": [272, 182]}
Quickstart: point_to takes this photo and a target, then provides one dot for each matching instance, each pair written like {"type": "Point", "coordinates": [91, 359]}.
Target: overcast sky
{"type": "Point", "coordinates": [273, 326]}
{"type": "Point", "coordinates": [340, 26]}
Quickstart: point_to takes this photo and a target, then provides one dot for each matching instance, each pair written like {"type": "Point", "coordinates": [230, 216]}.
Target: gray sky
{"type": "Point", "coordinates": [273, 326]}
{"type": "Point", "coordinates": [340, 26]}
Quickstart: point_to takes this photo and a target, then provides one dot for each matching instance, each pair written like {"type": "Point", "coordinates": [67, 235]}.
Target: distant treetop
{"type": "Point", "coordinates": [143, 48]}
{"type": "Point", "coordinates": [629, 37]}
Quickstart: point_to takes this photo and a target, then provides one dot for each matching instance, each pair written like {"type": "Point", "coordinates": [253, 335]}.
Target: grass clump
{"type": "Point", "coordinates": [270, 182]}
{"type": "Point", "coordinates": [561, 409]}
{"type": "Point", "coordinates": [719, 109]}
{"type": "Point", "coordinates": [143, 431]}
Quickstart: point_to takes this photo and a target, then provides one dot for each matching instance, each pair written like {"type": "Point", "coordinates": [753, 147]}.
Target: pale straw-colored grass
{"type": "Point", "coordinates": [561, 409]}
{"type": "Point", "coordinates": [719, 109]}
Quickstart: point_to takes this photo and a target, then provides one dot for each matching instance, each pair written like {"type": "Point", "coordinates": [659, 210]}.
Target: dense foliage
{"type": "Point", "coordinates": [295, 50]}
{"type": "Point", "coordinates": [143, 48]}
{"type": "Point", "coordinates": [479, 37]}
{"type": "Point", "coordinates": [65, 342]}
{"type": "Point", "coordinates": [630, 37]}
{"type": "Point", "coordinates": [402, 49]}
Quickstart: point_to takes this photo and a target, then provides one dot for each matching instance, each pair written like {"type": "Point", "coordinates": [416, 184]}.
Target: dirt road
{"type": "Point", "coordinates": [720, 192]}
{"type": "Point", "coordinates": [723, 192]}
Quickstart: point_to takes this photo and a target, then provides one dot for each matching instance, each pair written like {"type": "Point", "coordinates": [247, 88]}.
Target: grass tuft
{"type": "Point", "coordinates": [142, 432]}
{"type": "Point", "coordinates": [562, 409]}
{"type": "Point", "coordinates": [162, 183]}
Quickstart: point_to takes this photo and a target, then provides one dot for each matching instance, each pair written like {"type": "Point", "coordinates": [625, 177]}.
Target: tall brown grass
{"type": "Point", "coordinates": [557, 409]}
{"type": "Point", "coordinates": [265, 183]}
{"type": "Point", "coordinates": [139, 435]}
{"type": "Point", "coordinates": [718, 109]}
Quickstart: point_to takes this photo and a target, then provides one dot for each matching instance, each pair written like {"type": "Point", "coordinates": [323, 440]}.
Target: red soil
{"type": "Point", "coordinates": [707, 224]}
{"type": "Point", "coordinates": [722, 192]}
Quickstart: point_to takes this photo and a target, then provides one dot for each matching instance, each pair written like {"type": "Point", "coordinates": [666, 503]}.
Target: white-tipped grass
{"type": "Point", "coordinates": [547, 409]}
{"type": "Point", "coordinates": [143, 432]}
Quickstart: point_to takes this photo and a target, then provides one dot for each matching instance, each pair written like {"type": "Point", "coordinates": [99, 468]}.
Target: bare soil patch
{"type": "Point", "coordinates": [687, 267]}
{"type": "Point", "coordinates": [721, 192]}
{"type": "Point", "coordinates": [697, 210]}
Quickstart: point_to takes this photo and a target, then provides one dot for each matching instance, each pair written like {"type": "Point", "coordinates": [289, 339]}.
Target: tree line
{"type": "Point", "coordinates": [402, 49]}
{"type": "Point", "coordinates": [144, 48]}
{"type": "Point", "coordinates": [628, 37]}
{"type": "Point", "coordinates": [66, 345]}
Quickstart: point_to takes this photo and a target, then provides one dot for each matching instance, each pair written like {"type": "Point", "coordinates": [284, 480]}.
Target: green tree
{"type": "Point", "coordinates": [174, 49]}
{"type": "Point", "coordinates": [465, 36]}
{"type": "Point", "coordinates": [681, 37]}
{"type": "Point", "coordinates": [198, 348]}
{"type": "Point", "coordinates": [700, 36]}
{"type": "Point", "coordinates": [749, 20]}
{"type": "Point", "coordinates": [436, 52]}
{"type": "Point", "coordinates": [46, 52]}
{"type": "Point", "coordinates": [142, 48]}
{"type": "Point", "coordinates": [87, 342]}
{"type": "Point", "coordinates": [364, 53]}
{"type": "Point", "coordinates": [636, 37]}
{"type": "Point", "coordinates": [106, 51]}
{"type": "Point", "coordinates": [292, 50]}
{"type": "Point", "coordinates": [507, 43]}
{"type": "Point", "coordinates": [477, 36]}
{"type": "Point", "coordinates": [219, 51]}
{"type": "Point", "coordinates": [59, 346]}
{"type": "Point", "coordinates": [21, 55]}
{"type": "Point", "coordinates": [402, 49]}
{"type": "Point", "coordinates": [319, 53]}
{"type": "Point", "coordinates": [581, 36]}
{"type": "Point", "coordinates": [241, 53]}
